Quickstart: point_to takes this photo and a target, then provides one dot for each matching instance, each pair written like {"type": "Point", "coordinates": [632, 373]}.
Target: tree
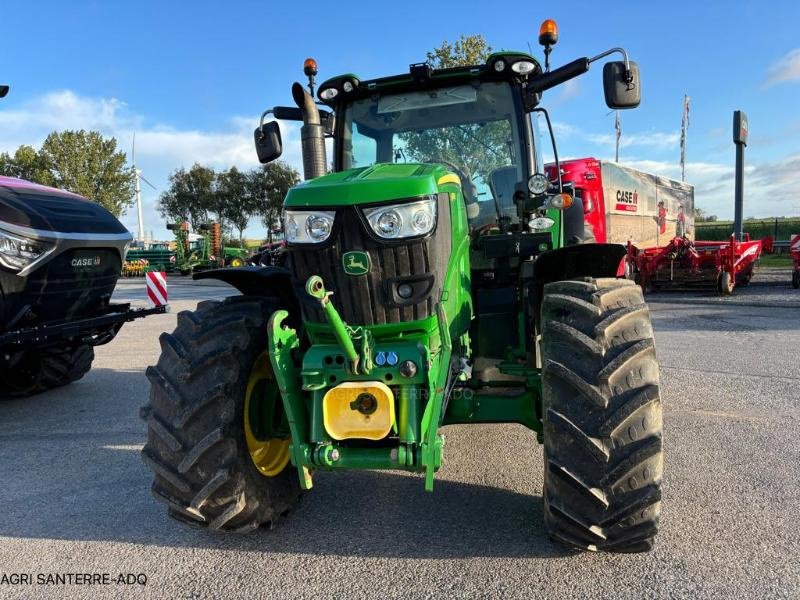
{"type": "Point", "coordinates": [189, 196]}
{"type": "Point", "coordinates": [234, 195]}
{"type": "Point", "coordinates": [86, 163]}
{"type": "Point", "coordinates": [25, 164]}
{"type": "Point", "coordinates": [477, 148]}
{"type": "Point", "coordinates": [268, 188]}
{"type": "Point", "coordinates": [467, 50]}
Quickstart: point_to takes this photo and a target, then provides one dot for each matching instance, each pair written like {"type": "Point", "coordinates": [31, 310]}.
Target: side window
{"type": "Point", "coordinates": [537, 140]}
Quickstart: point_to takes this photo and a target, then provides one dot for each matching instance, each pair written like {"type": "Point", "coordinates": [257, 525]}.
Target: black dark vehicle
{"type": "Point", "coordinates": [60, 258]}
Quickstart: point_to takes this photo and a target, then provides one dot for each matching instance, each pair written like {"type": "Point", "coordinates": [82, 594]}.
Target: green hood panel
{"type": "Point", "coordinates": [383, 181]}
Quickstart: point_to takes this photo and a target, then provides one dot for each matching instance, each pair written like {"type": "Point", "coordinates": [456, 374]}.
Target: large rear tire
{"type": "Point", "coordinates": [197, 446]}
{"type": "Point", "coordinates": [36, 371]}
{"type": "Point", "coordinates": [602, 416]}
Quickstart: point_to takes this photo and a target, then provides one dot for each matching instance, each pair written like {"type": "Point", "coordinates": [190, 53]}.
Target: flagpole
{"type": "Point", "coordinates": [684, 127]}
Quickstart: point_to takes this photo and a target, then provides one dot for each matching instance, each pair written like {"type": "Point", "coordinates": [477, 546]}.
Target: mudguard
{"type": "Point", "coordinates": [571, 262]}
{"type": "Point", "coordinates": [251, 280]}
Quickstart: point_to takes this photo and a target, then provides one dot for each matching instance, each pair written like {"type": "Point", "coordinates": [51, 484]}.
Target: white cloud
{"type": "Point", "coordinates": [767, 186]}
{"type": "Point", "coordinates": [787, 68]}
{"type": "Point", "coordinates": [160, 148]}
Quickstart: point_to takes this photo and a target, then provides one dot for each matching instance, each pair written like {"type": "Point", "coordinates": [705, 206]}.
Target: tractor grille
{"type": "Point", "coordinates": [368, 299]}
{"type": "Point", "coordinates": [76, 283]}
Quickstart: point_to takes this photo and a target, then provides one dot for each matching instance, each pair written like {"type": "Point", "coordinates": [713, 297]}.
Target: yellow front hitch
{"type": "Point", "coordinates": [358, 410]}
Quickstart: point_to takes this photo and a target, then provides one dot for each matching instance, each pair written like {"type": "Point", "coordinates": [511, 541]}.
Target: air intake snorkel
{"type": "Point", "coordinates": [312, 134]}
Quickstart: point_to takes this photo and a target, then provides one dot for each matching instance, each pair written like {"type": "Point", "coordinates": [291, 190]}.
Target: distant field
{"type": "Point", "coordinates": [757, 228]}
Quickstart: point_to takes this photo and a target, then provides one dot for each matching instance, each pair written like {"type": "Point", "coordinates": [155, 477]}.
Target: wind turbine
{"type": "Point", "coordinates": [138, 188]}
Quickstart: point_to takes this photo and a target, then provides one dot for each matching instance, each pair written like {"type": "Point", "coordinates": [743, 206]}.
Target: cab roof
{"type": "Point", "coordinates": [498, 67]}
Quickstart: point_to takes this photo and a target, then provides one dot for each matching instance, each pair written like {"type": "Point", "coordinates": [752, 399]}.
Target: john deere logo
{"type": "Point", "coordinates": [356, 263]}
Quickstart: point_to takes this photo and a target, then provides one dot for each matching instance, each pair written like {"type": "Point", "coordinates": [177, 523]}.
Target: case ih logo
{"type": "Point", "coordinates": [627, 201]}
{"type": "Point", "coordinates": [86, 262]}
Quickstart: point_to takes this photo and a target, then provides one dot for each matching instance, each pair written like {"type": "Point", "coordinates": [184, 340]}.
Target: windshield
{"type": "Point", "coordinates": [471, 128]}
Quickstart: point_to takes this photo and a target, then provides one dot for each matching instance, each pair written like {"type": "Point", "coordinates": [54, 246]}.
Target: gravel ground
{"type": "Point", "coordinates": [75, 497]}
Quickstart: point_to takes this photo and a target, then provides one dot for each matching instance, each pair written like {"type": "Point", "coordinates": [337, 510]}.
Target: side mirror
{"type": "Point", "coordinates": [268, 142]}
{"type": "Point", "coordinates": [173, 226]}
{"type": "Point", "coordinates": [622, 88]}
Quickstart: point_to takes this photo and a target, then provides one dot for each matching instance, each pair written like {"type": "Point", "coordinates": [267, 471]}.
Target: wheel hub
{"type": "Point", "coordinates": [262, 416]}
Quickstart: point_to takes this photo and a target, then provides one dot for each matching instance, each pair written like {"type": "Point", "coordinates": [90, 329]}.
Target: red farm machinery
{"type": "Point", "coordinates": [654, 216]}
{"type": "Point", "coordinates": [794, 250]}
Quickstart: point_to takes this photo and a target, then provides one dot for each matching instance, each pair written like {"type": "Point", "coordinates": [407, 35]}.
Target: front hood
{"type": "Point", "coordinates": [377, 183]}
{"type": "Point", "coordinates": [44, 209]}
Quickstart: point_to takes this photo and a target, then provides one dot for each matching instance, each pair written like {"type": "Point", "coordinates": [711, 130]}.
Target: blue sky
{"type": "Point", "coordinates": [192, 78]}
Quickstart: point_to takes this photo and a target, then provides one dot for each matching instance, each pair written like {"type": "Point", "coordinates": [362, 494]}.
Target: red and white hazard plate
{"type": "Point", "coordinates": [156, 282]}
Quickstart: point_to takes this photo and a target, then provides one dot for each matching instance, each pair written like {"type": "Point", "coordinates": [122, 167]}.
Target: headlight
{"type": "Point", "coordinates": [522, 67]}
{"type": "Point", "coordinates": [541, 223]}
{"type": "Point", "coordinates": [538, 184]}
{"type": "Point", "coordinates": [18, 252]}
{"type": "Point", "coordinates": [308, 226]}
{"type": "Point", "coordinates": [410, 219]}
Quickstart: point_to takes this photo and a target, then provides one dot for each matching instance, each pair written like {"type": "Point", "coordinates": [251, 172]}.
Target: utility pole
{"type": "Point", "coordinates": [684, 127]}
{"type": "Point", "coordinates": [618, 129]}
{"type": "Point", "coordinates": [138, 188]}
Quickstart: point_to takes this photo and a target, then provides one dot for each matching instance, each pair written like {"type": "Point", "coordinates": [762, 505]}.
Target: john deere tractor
{"type": "Point", "coordinates": [427, 284]}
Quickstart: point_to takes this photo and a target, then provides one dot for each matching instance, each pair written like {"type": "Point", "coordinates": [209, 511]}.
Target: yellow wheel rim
{"type": "Point", "coordinates": [270, 456]}
{"type": "Point", "coordinates": [237, 262]}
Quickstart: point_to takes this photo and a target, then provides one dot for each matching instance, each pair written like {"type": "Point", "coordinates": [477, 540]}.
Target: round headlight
{"type": "Point", "coordinates": [538, 184]}
{"type": "Point", "coordinates": [390, 223]}
{"type": "Point", "coordinates": [328, 93]}
{"type": "Point", "coordinates": [499, 65]}
{"type": "Point", "coordinates": [422, 221]}
{"type": "Point", "coordinates": [291, 228]}
{"type": "Point", "coordinates": [318, 227]}
{"type": "Point", "coordinates": [523, 67]}
{"type": "Point", "coordinates": [347, 86]}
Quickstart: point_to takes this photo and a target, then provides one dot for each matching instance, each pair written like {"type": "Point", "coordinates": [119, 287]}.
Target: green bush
{"type": "Point", "coordinates": [780, 229]}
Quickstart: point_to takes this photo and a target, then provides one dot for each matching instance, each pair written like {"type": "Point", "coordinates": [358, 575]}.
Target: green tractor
{"type": "Point", "coordinates": [428, 283]}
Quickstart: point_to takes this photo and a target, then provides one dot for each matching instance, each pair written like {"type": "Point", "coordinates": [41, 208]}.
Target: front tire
{"type": "Point", "coordinates": [36, 371]}
{"type": "Point", "coordinates": [196, 445]}
{"type": "Point", "coordinates": [602, 416]}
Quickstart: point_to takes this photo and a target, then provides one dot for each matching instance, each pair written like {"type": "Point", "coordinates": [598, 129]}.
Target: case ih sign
{"type": "Point", "coordinates": [627, 201]}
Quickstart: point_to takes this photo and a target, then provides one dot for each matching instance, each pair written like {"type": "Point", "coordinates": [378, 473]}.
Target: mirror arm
{"type": "Point", "coordinates": [628, 74]}
{"type": "Point", "coordinates": [264, 115]}
{"type": "Point", "coordinates": [545, 81]}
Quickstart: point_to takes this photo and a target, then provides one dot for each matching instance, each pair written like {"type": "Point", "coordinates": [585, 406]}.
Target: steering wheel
{"type": "Point", "coordinates": [467, 187]}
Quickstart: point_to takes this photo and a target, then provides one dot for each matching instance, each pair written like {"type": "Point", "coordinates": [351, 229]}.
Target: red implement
{"type": "Point", "coordinates": [794, 250]}
{"type": "Point", "coordinates": [683, 263]}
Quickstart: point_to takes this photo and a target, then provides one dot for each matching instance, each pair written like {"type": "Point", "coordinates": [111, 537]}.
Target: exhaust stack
{"type": "Point", "coordinates": [312, 134]}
